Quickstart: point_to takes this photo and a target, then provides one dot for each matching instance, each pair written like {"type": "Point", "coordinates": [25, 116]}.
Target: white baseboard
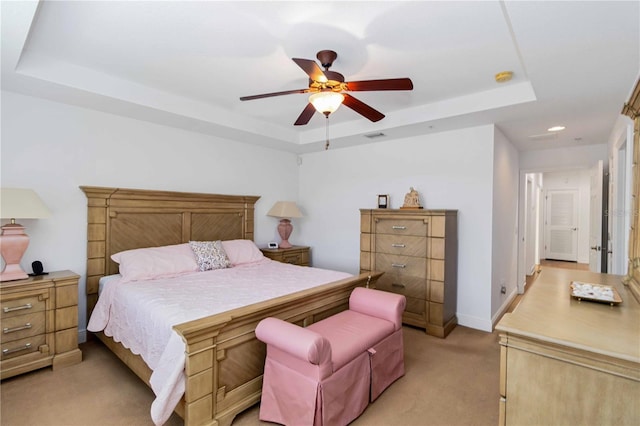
{"type": "Point", "coordinates": [503, 308]}
{"type": "Point", "coordinates": [475, 322]}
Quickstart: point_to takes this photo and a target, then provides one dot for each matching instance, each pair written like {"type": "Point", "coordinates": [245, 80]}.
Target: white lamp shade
{"type": "Point", "coordinates": [326, 102]}
{"type": "Point", "coordinates": [20, 203]}
{"type": "Point", "coordinates": [284, 209]}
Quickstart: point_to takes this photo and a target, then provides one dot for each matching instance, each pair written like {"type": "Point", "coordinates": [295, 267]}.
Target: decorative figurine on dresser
{"type": "Point", "coordinates": [418, 251]}
{"type": "Point", "coordinates": [411, 200]}
{"type": "Point", "coordinates": [39, 322]}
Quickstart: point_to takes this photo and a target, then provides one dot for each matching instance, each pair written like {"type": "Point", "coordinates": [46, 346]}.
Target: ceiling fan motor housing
{"type": "Point", "coordinates": [326, 58]}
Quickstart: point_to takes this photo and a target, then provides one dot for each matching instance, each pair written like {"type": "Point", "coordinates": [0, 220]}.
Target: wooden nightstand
{"type": "Point", "coordinates": [296, 255]}
{"type": "Point", "coordinates": [39, 322]}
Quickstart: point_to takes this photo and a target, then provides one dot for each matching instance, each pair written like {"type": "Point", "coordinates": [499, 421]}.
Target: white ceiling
{"type": "Point", "coordinates": [185, 64]}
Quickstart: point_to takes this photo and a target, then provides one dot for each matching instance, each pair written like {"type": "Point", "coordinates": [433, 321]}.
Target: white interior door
{"type": "Point", "coordinates": [595, 218]}
{"type": "Point", "coordinates": [561, 225]}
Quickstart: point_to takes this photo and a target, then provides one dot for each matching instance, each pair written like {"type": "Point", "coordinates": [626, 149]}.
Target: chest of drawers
{"type": "Point", "coordinates": [417, 250]}
{"type": "Point", "coordinates": [39, 323]}
{"type": "Point", "coordinates": [296, 255]}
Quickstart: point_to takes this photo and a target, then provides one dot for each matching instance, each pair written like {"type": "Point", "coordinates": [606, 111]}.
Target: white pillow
{"type": "Point", "coordinates": [241, 252]}
{"type": "Point", "coordinates": [155, 262]}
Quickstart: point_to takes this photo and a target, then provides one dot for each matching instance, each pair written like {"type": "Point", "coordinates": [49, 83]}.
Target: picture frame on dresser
{"type": "Point", "coordinates": [383, 201]}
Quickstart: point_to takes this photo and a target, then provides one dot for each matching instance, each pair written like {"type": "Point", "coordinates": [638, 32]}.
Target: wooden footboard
{"type": "Point", "coordinates": [225, 361]}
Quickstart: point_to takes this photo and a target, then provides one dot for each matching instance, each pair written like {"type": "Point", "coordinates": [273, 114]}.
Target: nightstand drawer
{"type": "Point", "coordinates": [293, 258]}
{"type": "Point", "coordinates": [23, 346]}
{"type": "Point", "coordinates": [22, 326]}
{"type": "Point", "coordinates": [23, 305]}
{"type": "Point", "coordinates": [296, 255]}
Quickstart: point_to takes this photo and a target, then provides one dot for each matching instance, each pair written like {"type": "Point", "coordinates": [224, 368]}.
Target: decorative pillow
{"type": "Point", "coordinates": [210, 255]}
{"type": "Point", "coordinates": [155, 262]}
{"type": "Point", "coordinates": [242, 251]}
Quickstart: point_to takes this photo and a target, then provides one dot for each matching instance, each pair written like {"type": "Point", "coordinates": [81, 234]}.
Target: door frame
{"type": "Point", "coordinates": [522, 189]}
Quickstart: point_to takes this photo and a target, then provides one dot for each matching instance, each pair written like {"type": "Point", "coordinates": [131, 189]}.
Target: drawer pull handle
{"type": "Point", "coordinates": [17, 308]}
{"type": "Point", "coordinates": [398, 265]}
{"type": "Point", "coordinates": [11, 330]}
{"type": "Point", "coordinates": [23, 348]}
{"type": "Point", "coordinates": [397, 285]}
{"type": "Point", "coordinates": [398, 227]}
{"type": "Point", "coordinates": [398, 245]}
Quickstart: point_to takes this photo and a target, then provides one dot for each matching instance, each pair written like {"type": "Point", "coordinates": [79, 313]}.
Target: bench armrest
{"type": "Point", "coordinates": [379, 304]}
{"type": "Point", "coordinates": [300, 342]}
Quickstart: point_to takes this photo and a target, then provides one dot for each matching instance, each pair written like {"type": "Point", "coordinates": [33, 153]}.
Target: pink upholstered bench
{"type": "Point", "coordinates": [327, 373]}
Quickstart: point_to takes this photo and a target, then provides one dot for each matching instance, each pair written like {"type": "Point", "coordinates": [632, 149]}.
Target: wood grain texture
{"type": "Point", "coordinates": [417, 250]}
{"type": "Point", "coordinates": [40, 323]}
{"type": "Point", "coordinates": [224, 360]}
{"type": "Point", "coordinates": [579, 360]}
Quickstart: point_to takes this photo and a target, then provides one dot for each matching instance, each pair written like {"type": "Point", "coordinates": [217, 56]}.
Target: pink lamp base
{"type": "Point", "coordinates": [285, 228]}
{"type": "Point", "coordinates": [13, 244]}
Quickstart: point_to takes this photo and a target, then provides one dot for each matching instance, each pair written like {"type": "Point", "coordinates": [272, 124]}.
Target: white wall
{"type": "Point", "coordinates": [451, 170]}
{"type": "Point", "coordinates": [54, 148]}
{"type": "Point", "coordinates": [563, 158]}
{"type": "Point", "coordinates": [504, 247]}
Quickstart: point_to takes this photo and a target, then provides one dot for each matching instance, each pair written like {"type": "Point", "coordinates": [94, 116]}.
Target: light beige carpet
{"type": "Point", "coordinates": [452, 381]}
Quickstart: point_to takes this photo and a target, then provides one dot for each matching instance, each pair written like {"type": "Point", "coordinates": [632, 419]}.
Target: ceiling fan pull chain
{"type": "Point", "coordinates": [326, 145]}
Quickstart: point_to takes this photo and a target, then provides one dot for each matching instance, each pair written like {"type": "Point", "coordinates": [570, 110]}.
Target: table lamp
{"type": "Point", "coordinates": [22, 204]}
{"type": "Point", "coordinates": [285, 210]}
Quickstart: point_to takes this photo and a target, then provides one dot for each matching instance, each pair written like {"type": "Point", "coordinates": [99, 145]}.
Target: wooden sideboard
{"type": "Point", "coordinates": [418, 251]}
{"type": "Point", "coordinates": [565, 361]}
{"type": "Point", "coordinates": [40, 323]}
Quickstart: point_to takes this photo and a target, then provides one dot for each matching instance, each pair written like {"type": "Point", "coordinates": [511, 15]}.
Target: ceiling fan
{"type": "Point", "coordinates": [328, 89]}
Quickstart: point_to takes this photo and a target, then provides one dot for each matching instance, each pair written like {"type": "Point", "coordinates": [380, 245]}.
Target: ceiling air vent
{"type": "Point", "coordinates": [543, 136]}
{"type": "Point", "coordinates": [375, 135]}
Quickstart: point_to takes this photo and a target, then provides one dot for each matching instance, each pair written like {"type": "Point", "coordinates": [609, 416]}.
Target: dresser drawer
{"type": "Point", "coordinates": [23, 305]}
{"type": "Point", "coordinates": [21, 347]}
{"type": "Point", "coordinates": [406, 245]}
{"type": "Point", "coordinates": [401, 227]}
{"type": "Point", "coordinates": [416, 306]}
{"type": "Point", "coordinates": [401, 266]}
{"type": "Point", "coordinates": [21, 326]}
{"type": "Point", "coordinates": [407, 286]}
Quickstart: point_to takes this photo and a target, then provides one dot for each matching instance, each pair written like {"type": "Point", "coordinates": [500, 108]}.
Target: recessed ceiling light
{"type": "Point", "coordinates": [504, 76]}
{"type": "Point", "coordinates": [555, 128]}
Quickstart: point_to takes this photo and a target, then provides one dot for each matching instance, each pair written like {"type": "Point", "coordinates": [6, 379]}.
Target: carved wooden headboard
{"type": "Point", "coordinates": [123, 219]}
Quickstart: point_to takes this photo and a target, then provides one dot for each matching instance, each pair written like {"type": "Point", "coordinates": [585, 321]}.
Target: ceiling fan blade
{"type": "Point", "coordinates": [268, 95]}
{"type": "Point", "coordinates": [362, 108]}
{"type": "Point", "coordinates": [311, 68]}
{"type": "Point", "coordinates": [388, 84]}
{"type": "Point", "coordinates": [306, 115]}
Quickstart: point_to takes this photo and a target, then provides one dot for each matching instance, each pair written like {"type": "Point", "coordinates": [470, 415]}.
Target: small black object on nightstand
{"type": "Point", "coordinates": [37, 269]}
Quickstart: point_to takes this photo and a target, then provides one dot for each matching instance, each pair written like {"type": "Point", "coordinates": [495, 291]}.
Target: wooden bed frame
{"type": "Point", "coordinates": [224, 360]}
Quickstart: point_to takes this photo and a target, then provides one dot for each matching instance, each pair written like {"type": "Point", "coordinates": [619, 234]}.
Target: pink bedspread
{"type": "Point", "coordinates": [141, 314]}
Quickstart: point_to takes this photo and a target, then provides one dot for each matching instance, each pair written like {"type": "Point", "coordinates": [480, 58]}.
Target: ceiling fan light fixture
{"type": "Point", "coordinates": [326, 102]}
